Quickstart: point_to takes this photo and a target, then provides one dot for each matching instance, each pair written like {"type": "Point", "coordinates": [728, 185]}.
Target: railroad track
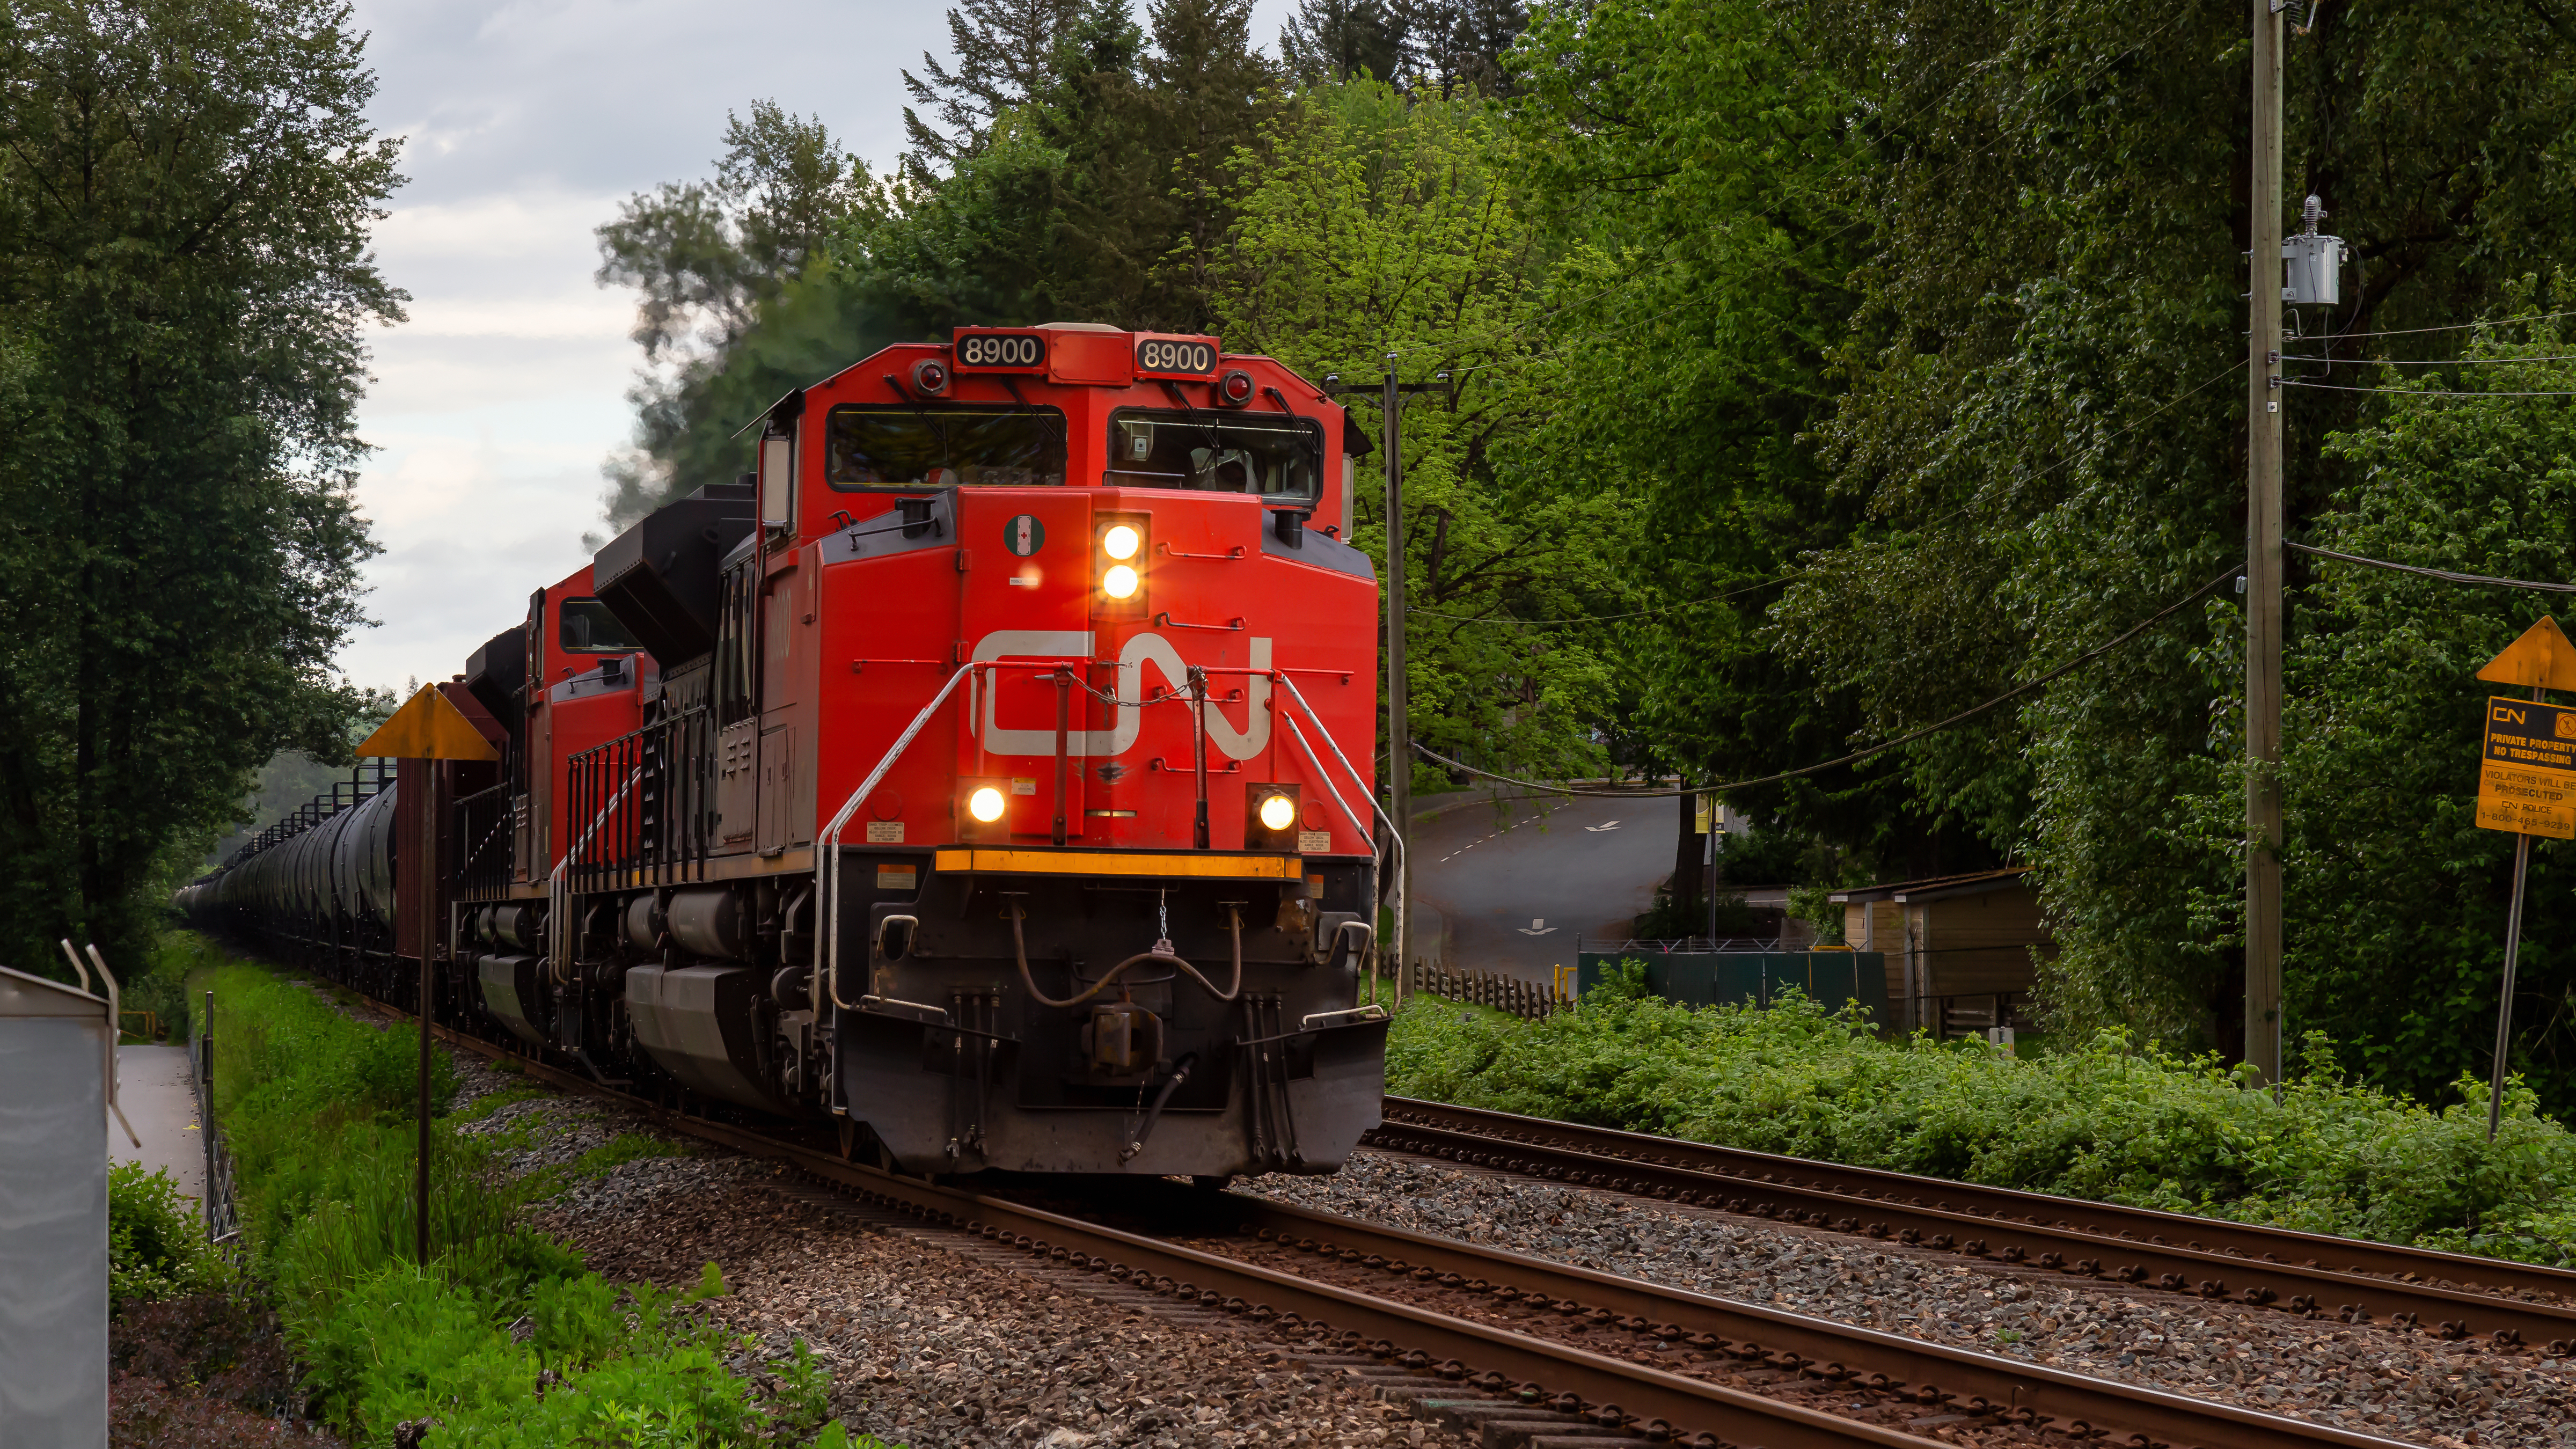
{"type": "Point", "coordinates": [1498, 1341]}
{"type": "Point", "coordinates": [2450, 1295]}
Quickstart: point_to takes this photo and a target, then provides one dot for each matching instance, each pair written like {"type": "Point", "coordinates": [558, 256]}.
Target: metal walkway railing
{"type": "Point", "coordinates": [223, 1212]}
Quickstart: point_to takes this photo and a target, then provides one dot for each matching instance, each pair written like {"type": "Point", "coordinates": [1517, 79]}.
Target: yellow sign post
{"type": "Point", "coordinates": [2527, 785]}
{"type": "Point", "coordinates": [429, 727]}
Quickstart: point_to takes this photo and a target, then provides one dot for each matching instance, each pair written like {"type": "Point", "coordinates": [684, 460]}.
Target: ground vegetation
{"type": "Point", "coordinates": [503, 1337]}
{"type": "Point", "coordinates": [2114, 1118]}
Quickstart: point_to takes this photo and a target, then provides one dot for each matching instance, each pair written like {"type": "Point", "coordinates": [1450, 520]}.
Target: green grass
{"type": "Point", "coordinates": [2109, 1119]}
{"type": "Point", "coordinates": [490, 1102]}
{"type": "Point", "coordinates": [502, 1336]}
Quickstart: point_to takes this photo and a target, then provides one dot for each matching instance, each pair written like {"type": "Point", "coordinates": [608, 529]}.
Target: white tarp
{"type": "Point", "coordinates": [53, 1216]}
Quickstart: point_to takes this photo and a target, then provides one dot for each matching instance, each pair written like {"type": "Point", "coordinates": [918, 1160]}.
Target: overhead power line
{"type": "Point", "coordinates": [2460, 326]}
{"type": "Point", "coordinates": [2430, 361]}
{"type": "Point", "coordinates": [2446, 575]}
{"type": "Point", "coordinates": [2016, 692]}
{"type": "Point", "coordinates": [1606, 618]}
{"type": "Point", "coordinates": [2423, 391]}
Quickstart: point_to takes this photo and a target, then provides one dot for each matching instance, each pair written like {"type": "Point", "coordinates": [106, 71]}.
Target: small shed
{"type": "Point", "coordinates": [1959, 948]}
{"type": "Point", "coordinates": [56, 1051]}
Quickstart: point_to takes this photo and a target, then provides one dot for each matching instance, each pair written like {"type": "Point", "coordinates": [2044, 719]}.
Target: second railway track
{"type": "Point", "coordinates": [1496, 1336]}
{"type": "Point", "coordinates": [2449, 1295]}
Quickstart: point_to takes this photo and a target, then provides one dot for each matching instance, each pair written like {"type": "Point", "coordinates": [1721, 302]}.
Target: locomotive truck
{"type": "Point", "coordinates": [987, 776]}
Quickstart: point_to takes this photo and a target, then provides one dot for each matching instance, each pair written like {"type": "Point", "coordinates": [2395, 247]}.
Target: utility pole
{"type": "Point", "coordinates": [2263, 561]}
{"type": "Point", "coordinates": [1399, 735]}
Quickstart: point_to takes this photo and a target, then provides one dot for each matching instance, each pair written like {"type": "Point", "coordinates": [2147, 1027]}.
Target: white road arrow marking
{"type": "Point", "coordinates": [1605, 825]}
{"type": "Point", "coordinates": [1538, 926]}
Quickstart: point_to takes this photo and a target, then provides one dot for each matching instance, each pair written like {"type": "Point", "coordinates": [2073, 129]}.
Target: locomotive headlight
{"type": "Point", "coordinates": [1270, 813]}
{"type": "Point", "coordinates": [986, 804]}
{"type": "Point", "coordinates": [1124, 541]}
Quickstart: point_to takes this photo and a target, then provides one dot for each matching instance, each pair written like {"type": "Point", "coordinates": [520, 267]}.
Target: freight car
{"type": "Point", "coordinates": [986, 778]}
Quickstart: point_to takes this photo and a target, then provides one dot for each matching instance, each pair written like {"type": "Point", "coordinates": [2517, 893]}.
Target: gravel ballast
{"type": "Point", "coordinates": [938, 1342]}
{"type": "Point", "coordinates": [932, 1345]}
{"type": "Point", "coordinates": [2374, 1380]}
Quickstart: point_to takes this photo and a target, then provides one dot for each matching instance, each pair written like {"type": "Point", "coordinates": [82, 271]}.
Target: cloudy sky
{"type": "Point", "coordinates": [527, 122]}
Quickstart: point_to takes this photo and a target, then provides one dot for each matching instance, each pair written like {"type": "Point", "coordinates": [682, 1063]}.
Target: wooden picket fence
{"type": "Point", "coordinates": [1530, 1000]}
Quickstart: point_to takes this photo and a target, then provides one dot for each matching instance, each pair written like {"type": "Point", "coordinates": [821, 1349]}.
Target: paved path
{"type": "Point", "coordinates": [152, 1089]}
{"type": "Point", "coordinates": [1513, 892]}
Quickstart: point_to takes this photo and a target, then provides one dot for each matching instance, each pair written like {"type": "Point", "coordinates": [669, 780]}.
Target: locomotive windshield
{"type": "Point", "coordinates": [589, 628]}
{"type": "Point", "coordinates": [939, 444]}
{"type": "Point", "coordinates": [1270, 454]}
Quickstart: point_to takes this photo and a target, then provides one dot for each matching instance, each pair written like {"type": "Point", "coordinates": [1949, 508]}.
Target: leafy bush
{"type": "Point", "coordinates": [588, 1363]}
{"type": "Point", "coordinates": [503, 1339]}
{"type": "Point", "coordinates": [2112, 1119]}
{"type": "Point", "coordinates": [156, 1247]}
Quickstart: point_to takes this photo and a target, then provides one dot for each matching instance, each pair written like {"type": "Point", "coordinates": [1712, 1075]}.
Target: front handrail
{"type": "Point", "coordinates": [559, 944]}
{"type": "Point", "coordinates": [827, 851]}
{"type": "Point", "coordinates": [1401, 852]}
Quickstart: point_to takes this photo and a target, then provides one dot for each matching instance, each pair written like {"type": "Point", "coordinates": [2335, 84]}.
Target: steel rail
{"type": "Point", "coordinates": [1961, 1380]}
{"type": "Point", "coordinates": [1636, 1392]}
{"type": "Point", "coordinates": [1974, 1384]}
{"type": "Point", "coordinates": [2247, 1263]}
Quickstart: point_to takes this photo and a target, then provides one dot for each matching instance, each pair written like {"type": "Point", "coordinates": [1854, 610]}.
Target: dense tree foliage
{"type": "Point", "coordinates": [2045, 414]}
{"type": "Point", "coordinates": [1372, 227]}
{"type": "Point", "coordinates": [1825, 369]}
{"type": "Point", "coordinates": [185, 192]}
{"type": "Point", "coordinates": [2396, 922]}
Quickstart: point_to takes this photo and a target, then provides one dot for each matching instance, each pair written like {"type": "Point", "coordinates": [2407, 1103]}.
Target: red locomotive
{"type": "Point", "coordinates": [989, 774]}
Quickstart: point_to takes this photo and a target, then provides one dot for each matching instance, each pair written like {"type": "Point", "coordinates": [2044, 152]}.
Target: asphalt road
{"type": "Point", "coordinates": [1514, 891]}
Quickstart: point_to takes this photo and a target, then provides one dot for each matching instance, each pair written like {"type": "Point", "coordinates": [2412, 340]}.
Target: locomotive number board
{"type": "Point", "coordinates": [2527, 778]}
{"type": "Point", "coordinates": [1175, 356]}
{"type": "Point", "coordinates": [979, 350]}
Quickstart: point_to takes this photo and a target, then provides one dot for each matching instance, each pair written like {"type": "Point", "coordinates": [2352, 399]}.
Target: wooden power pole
{"type": "Point", "coordinates": [2263, 563]}
{"type": "Point", "coordinates": [1399, 733]}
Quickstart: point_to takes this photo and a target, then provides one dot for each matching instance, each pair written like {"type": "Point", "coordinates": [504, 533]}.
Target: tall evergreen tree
{"type": "Point", "coordinates": [1335, 40]}
{"type": "Point", "coordinates": [1460, 44]}
{"type": "Point", "coordinates": [704, 256]}
{"type": "Point", "coordinates": [1006, 54]}
{"type": "Point", "coordinates": [186, 188]}
{"type": "Point", "coordinates": [1209, 93]}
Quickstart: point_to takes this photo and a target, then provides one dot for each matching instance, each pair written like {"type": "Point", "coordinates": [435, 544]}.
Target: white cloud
{"type": "Point", "coordinates": [526, 122]}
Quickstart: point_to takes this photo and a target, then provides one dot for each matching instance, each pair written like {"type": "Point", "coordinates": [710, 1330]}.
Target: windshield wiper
{"type": "Point", "coordinates": [1055, 421]}
{"type": "Point", "coordinates": [927, 420]}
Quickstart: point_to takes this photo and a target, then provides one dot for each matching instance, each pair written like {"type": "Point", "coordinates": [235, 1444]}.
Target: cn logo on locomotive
{"type": "Point", "coordinates": [1142, 649]}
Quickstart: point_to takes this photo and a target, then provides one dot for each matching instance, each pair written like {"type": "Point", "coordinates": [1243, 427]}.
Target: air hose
{"type": "Point", "coordinates": [1154, 1114]}
{"type": "Point", "coordinates": [1020, 949]}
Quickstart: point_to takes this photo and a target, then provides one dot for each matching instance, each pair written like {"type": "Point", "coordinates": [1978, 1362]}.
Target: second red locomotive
{"type": "Point", "coordinates": [989, 774]}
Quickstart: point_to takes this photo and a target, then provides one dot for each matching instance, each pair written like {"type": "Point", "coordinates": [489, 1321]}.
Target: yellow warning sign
{"type": "Point", "coordinates": [2542, 657]}
{"type": "Point", "coordinates": [2527, 773]}
{"type": "Point", "coordinates": [428, 727]}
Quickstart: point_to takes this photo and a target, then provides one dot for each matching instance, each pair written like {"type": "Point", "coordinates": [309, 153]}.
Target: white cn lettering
{"type": "Point", "coordinates": [1052, 645]}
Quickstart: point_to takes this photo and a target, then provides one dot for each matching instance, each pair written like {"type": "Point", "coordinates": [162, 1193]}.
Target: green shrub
{"type": "Point", "coordinates": [503, 1338]}
{"type": "Point", "coordinates": [156, 1247]}
{"type": "Point", "coordinates": [588, 1364]}
{"type": "Point", "coordinates": [2110, 1119]}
